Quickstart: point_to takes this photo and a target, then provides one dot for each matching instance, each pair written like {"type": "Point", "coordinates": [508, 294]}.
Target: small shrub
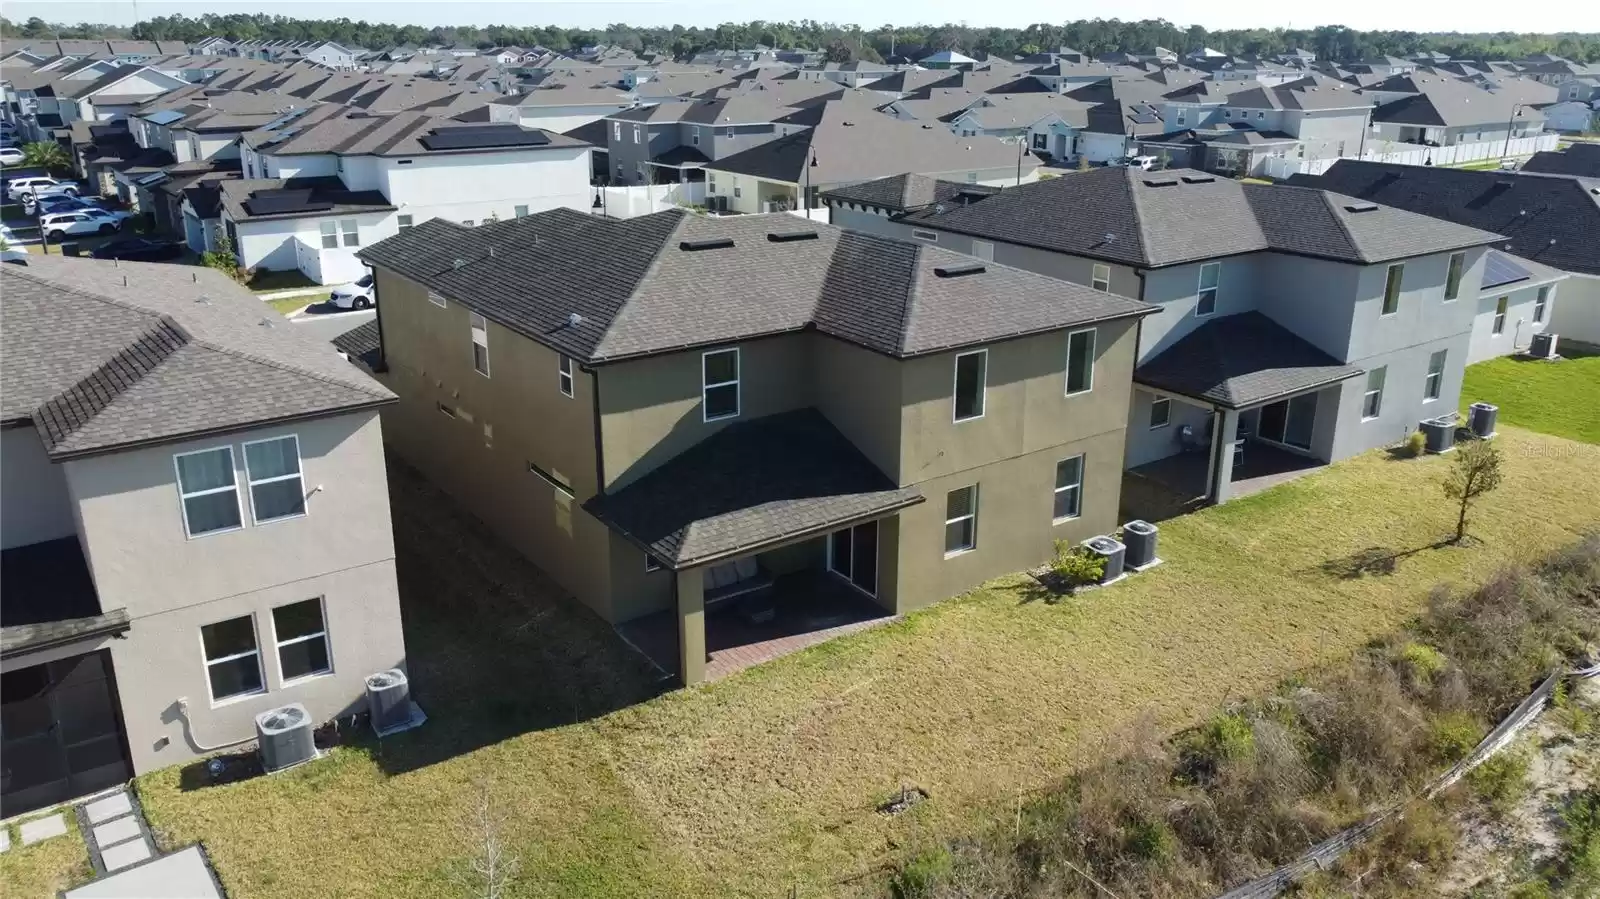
{"type": "Point", "coordinates": [1076, 566]}
{"type": "Point", "coordinates": [1229, 737]}
{"type": "Point", "coordinates": [1501, 779]}
{"type": "Point", "coordinates": [1414, 445]}
{"type": "Point", "coordinates": [922, 874]}
{"type": "Point", "coordinates": [1580, 842]}
{"type": "Point", "coordinates": [1571, 715]}
{"type": "Point", "coordinates": [1453, 736]}
{"type": "Point", "coordinates": [1532, 889]}
{"type": "Point", "coordinates": [1152, 841]}
{"type": "Point", "coordinates": [1423, 661]}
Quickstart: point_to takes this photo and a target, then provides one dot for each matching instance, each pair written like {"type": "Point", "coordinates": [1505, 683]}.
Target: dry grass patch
{"type": "Point", "coordinates": [772, 777]}
{"type": "Point", "coordinates": [45, 868]}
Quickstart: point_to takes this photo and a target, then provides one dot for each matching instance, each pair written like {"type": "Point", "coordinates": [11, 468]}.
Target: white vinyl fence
{"type": "Point", "coordinates": [643, 199]}
{"type": "Point", "coordinates": [1410, 154]}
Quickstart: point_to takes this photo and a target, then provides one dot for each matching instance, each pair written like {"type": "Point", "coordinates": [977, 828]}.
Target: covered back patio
{"type": "Point", "coordinates": [1257, 404]}
{"type": "Point", "coordinates": [780, 533]}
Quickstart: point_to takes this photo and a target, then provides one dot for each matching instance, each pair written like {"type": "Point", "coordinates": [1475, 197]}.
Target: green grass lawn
{"type": "Point", "coordinates": [45, 868]}
{"type": "Point", "coordinates": [287, 305]}
{"type": "Point", "coordinates": [288, 279]}
{"type": "Point", "coordinates": [770, 778]}
{"type": "Point", "coordinates": [1553, 397]}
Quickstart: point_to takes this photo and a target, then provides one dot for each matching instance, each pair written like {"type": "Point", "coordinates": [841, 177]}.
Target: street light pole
{"type": "Point", "coordinates": [1506, 151]}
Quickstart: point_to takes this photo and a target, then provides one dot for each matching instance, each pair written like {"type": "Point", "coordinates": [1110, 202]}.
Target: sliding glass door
{"type": "Point", "coordinates": [853, 555]}
{"type": "Point", "coordinates": [1290, 422]}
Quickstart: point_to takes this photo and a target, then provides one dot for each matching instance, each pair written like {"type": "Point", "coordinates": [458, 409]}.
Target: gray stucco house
{"type": "Point", "coordinates": [1311, 323]}
{"type": "Point", "coordinates": [195, 523]}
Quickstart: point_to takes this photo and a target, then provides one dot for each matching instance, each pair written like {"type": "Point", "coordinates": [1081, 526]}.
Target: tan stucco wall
{"type": "Point", "coordinates": [37, 507]}
{"type": "Point", "coordinates": [860, 393]}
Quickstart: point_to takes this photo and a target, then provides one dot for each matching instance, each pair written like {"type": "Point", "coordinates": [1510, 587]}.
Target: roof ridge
{"type": "Point", "coordinates": [381, 391]}
{"type": "Point", "coordinates": [649, 270]}
{"type": "Point", "coordinates": [1126, 181]}
{"type": "Point", "coordinates": [68, 411]}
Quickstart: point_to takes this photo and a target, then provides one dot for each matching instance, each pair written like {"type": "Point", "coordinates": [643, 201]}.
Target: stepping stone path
{"type": "Point", "coordinates": [5, 838]}
{"type": "Point", "coordinates": [43, 828]}
{"type": "Point", "coordinates": [115, 832]}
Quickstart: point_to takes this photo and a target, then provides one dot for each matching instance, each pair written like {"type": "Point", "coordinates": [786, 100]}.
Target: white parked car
{"type": "Point", "coordinates": [355, 295]}
{"type": "Point", "coordinates": [60, 225]}
{"type": "Point", "coordinates": [40, 186]}
{"type": "Point", "coordinates": [1145, 163]}
{"type": "Point", "coordinates": [11, 156]}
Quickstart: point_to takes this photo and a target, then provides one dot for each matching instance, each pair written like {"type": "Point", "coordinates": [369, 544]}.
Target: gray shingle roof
{"type": "Point", "coordinates": [1241, 360]}
{"type": "Point", "coordinates": [101, 355]}
{"type": "Point", "coordinates": [1582, 160]}
{"type": "Point", "coordinates": [236, 197]}
{"type": "Point", "coordinates": [902, 192]}
{"type": "Point", "coordinates": [641, 288]}
{"type": "Point", "coordinates": [751, 484]}
{"type": "Point", "coordinates": [1152, 219]}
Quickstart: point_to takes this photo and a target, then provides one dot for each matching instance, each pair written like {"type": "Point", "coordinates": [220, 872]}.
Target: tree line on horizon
{"type": "Point", "coordinates": [843, 43]}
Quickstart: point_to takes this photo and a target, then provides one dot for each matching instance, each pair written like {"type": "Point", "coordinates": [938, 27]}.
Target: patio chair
{"type": "Point", "coordinates": [735, 579]}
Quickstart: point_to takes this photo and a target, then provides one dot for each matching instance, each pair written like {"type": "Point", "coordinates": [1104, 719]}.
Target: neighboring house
{"type": "Point", "coordinates": [114, 95]}
{"type": "Point", "coordinates": [668, 411]}
{"type": "Point", "coordinates": [1549, 220]}
{"type": "Point", "coordinates": [1574, 116]}
{"type": "Point", "coordinates": [1314, 323]}
{"type": "Point", "coordinates": [330, 54]}
{"type": "Point", "coordinates": [1313, 117]}
{"type": "Point", "coordinates": [560, 108]}
{"type": "Point", "coordinates": [354, 178]}
{"type": "Point", "coordinates": [1582, 160]}
{"type": "Point", "coordinates": [195, 522]}
{"type": "Point", "coordinates": [1516, 300]}
{"type": "Point", "coordinates": [673, 141]}
{"type": "Point", "coordinates": [838, 143]}
{"type": "Point", "coordinates": [1448, 111]}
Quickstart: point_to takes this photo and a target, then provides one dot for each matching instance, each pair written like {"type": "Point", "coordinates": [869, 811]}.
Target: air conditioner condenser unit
{"type": "Point", "coordinates": [389, 703]}
{"type": "Point", "coordinates": [1112, 552]}
{"type": "Point", "coordinates": [1543, 345]}
{"type": "Point", "coordinates": [284, 736]}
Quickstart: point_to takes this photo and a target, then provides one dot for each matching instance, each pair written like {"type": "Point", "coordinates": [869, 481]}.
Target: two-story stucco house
{"type": "Point", "coordinates": [1315, 324]}
{"type": "Point", "coordinates": [194, 522]}
{"type": "Point", "coordinates": [672, 412]}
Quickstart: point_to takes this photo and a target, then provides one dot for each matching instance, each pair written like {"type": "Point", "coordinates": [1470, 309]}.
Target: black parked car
{"type": "Point", "coordinates": [139, 249]}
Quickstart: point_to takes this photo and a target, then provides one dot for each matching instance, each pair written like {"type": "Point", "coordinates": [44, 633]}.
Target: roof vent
{"type": "Point", "coordinates": [957, 271]}
{"type": "Point", "coordinates": [1198, 179]}
{"type": "Point", "coordinates": [710, 243]}
{"type": "Point", "coordinates": [574, 319]}
{"type": "Point", "coordinates": [458, 263]}
{"type": "Point", "coordinates": [1361, 207]}
{"type": "Point", "coordinates": [790, 236]}
{"type": "Point", "coordinates": [1160, 182]}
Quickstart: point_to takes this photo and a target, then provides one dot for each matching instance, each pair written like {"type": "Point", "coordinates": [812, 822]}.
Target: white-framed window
{"type": "Point", "coordinates": [972, 177]}
{"type": "Point", "coordinates": [728, 131]}
{"type": "Point", "coordinates": [1260, 115]}
{"type": "Point", "coordinates": [929, 236]}
{"type": "Point", "coordinates": [330, 235]}
{"type": "Point", "coordinates": [1100, 277]}
{"type": "Point", "coordinates": [1435, 380]}
{"type": "Point", "coordinates": [519, 211]}
{"type": "Point", "coordinates": [208, 490]}
{"type": "Point", "coordinates": [983, 249]}
{"type": "Point", "coordinates": [1080, 361]}
{"type": "Point", "coordinates": [436, 299]}
{"type": "Point", "coordinates": [970, 385]}
{"type": "Point", "coordinates": [651, 564]}
{"type": "Point", "coordinates": [719, 384]}
{"type": "Point", "coordinates": [352, 232]}
{"type": "Point", "coordinates": [402, 223]}
{"type": "Point", "coordinates": [635, 133]}
{"type": "Point", "coordinates": [1452, 279]}
{"type": "Point", "coordinates": [553, 479]}
{"type": "Point", "coordinates": [737, 190]}
{"type": "Point", "coordinates": [1372, 401]}
{"type": "Point", "coordinates": [1160, 412]}
{"type": "Point", "coordinates": [694, 136]}
{"type": "Point", "coordinates": [616, 131]}
{"type": "Point", "coordinates": [1069, 489]}
{"type": "Point", "coordinates": [1041, 141]}
{"type": "Point", "coordinates": [1227, 113]}
{"type": "Point", "coordinates": [961, 520]}
{"type": "Point", "coordinates": [1541, 301]}
{"type": "Point", "coordinates": [564, 375]}
{"type": "Point", "coordinates": [277, 489]}
{"type": "Point", "coordinates": [480, 343]}
{"type": "Point", "coordinates": [301, 634]}
{"type": "Point", "coordinates": [711, 182]}
{"type": "Point", "coordinates": [1499, 326]}
{"type": "Point", "coordinates": [232, 657]}
{"type": "Point", "coordinates": [1206, 300]}
{"type": "Point", "coordinates": [1391, 288]}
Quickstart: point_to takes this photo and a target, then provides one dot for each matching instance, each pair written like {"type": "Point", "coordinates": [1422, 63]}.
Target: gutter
{"type": "Point", "coordinates": [216, 432]}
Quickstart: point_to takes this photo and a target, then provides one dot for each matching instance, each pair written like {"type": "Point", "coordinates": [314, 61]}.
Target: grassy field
{"type": "Point", "coordinates": [771, 778]}
{"type": "Point", "coordinates": [286, 305]}
{"type": "Point", "coordinates": [1553, 397]}
{"type": "Point", "coordinates": [43, 869]}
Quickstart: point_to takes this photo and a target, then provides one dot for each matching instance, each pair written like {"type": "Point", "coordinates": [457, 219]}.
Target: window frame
{"type": "Point", "coordinates": [299, 474]}
{"type": "Point", "coordinates": [983, 386]}
{"type": "Point", "coordinates": [1095, 281]}
{"type": "Point", "coordinates": [183, 506]}
{"type": "Point", "coordinates": [1454, 272]}
{"type": "Point", "coordinates": [1541, 302]}
{"type": "Point", "coordinates": [328, 229]}
{"type": "Point", "coordinates": [437, 300]}
{"type": "Point", "coordinates": [1433, 381]}
{"type": "Point", "coordinates": [519, 211]}
{"type": "Point", "coordinates": [206, 662]}
{"type": "Point", "coordinates": [350, 232]}
{"type": "Point", "coordinates": [1166, 420]}
{"type": "Point", "coordinates": [1201, 289]}
{"type": "Point", "coordinates": [1067, 379]}
{"type": "Point", "coordinates": [636, 134]}
{"type": "Point", "coordinates": [478, 330]}
{"type": "Point", "coordinates": [278, 645]}
{"type": "Point", "coordinates": [972, 545]}
{"type": "Point", "coordinates": [616, 131]}
{"type": "Point", "coordinates": [1497, 325]}
{"type": "Point", "coordinates": [564, 378]}
{"type": "Point", "coordinates": [1393, 283]}
{"type": "Point", "coordinates": [706, 387]}
{"type": "Point", "coordinates": [1077, 487]}
{"type": "Point", "coordinates": [1374, 395]}
{"type": "Point", "coordinates": [561, 485]}
{"type": "Point", "coordinates": [652, 564]}
{"type": "Point", "coordinates": [921, 234]}
{"type": "Point", "coordinates": [403, 223]}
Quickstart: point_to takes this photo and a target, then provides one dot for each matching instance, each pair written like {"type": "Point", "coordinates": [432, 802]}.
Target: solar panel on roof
{"type": "Point", "coordinates": [956, 271]}
{"type": "Point", "coordinates": [282, 201]}
{"type": "Point", "coordinates": [477, 137]}
{"type": "Point", "coordinates": [1145, 119]}
{"type": "Point", "coordinates": [1499, 269]}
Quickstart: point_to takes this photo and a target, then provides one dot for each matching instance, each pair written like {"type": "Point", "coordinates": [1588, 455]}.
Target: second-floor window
{"type": "Point", "coordinates": [402, 223]}
{"type": "Point", "coordinates": [1434, 383]}
{"type": "Point", "coordinates": [719, 385]}
{"type": "Point", "coordinates": [480, 343]}
{"type": "Point", "coordinates": [636, 133]}
{"type": "Point", "coordinates": [1372, 400]}
{"type": "Point", "coordinates": [1206, 299]}
{"type": "Point", "coordinates": [1100, 278]}
{"type": "Point", "coordinates": [694, 136]}
{"type": "Point", "coordinates": [277, 489]}
{"type": "Point", "coordinates": [233, 662]}
{"type": "Point", "coordinates": [209, 492]}
{"type": "Point", "coordinates": [1452, 280]}
{"type": "Point", "coordinates": [519, 211]}
{"type": "Point", "coordinates": [728, 131]}
{"type": "Point", "coordinates": [1541, 301]}
{"type": "Point", "coordinates": [1160, 412]}
{"type": "Point", "coordinates": [971, 385]}
{"type": "Point", "coordinates": [1391, 289]}
{"type": "Point", "coordinates": [352, 232]}
{"type": "Point", "coordinates": [1080, 361]}
{"type": "Point", "coordinates": [616, 131]}
{"type": "Point", "coordinates": [564, 375]}
{"type": "Point", "coordinates": [330, 235]}
{"type": "Point", "coordinates": [1499, 326]}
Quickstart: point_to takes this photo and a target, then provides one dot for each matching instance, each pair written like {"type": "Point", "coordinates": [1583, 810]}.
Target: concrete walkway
{"type": "Point", "coordinates": [115, 832]}
{"type": "Point", "coordinates": [125, 860]}
{"type": "Point", "coordinates": [185, 874]}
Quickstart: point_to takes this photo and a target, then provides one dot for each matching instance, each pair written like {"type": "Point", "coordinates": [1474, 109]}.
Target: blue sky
{"type": "Point", "coordinates": [1463, 15]}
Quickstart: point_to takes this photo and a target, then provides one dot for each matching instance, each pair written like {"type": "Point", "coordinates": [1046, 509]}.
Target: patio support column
{"type": "Point", "coordinates": [691, 626]}
{"type": "Point", "coordinates": [1226, 433]}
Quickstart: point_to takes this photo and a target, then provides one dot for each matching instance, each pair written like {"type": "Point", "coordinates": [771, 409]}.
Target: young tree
{"type": "Point", "coordinates": [1474, 472]}
{"type": "Point", "coordinates": [46, 154]}
{"type": "Point", "coordinates": [493, 865]}
{"type": "Point", "coordinates": [222, 258]}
